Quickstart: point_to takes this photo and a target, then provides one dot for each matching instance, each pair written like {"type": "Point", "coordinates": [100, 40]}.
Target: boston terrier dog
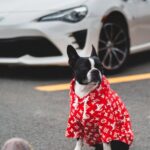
{"type": "Point", "coordinates": [97, 114]}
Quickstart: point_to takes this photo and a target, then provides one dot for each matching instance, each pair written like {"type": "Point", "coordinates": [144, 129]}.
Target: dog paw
{"type": "Point", "coordinates": [78, 148]}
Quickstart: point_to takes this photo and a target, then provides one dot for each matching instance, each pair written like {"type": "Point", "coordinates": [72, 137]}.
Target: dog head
{"type": "Point", "coordinates": [87, 70]}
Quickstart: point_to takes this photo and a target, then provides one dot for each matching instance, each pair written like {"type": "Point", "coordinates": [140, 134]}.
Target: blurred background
{"type": "Point", "coordinates": [34, 73]}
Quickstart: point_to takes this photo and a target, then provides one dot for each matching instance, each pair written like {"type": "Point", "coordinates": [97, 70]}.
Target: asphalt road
{"type": "Point", "coordinates": [40, 117]}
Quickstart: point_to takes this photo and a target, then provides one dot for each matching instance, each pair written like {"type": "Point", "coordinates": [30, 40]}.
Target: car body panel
{"type": "Point", "coordinates": [34, 5]}
{"type": "Point", "coordinates": [19, 19]}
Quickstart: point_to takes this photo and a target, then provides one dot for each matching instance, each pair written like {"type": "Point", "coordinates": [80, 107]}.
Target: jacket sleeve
{"type": "Point", "coordinates": [115, 122]}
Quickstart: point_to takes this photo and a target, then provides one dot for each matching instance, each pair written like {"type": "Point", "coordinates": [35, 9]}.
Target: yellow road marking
{"type": "Point", "coordinates": [129, 78]}
{"type": "Point", "coordinates": [50, 88]}
{"type": "Point", "coordinates": [113, 80]}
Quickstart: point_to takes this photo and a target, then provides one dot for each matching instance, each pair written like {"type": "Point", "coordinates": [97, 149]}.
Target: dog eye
{"type": "Point", "coordinates": [84, 70]}
{"type": "Point", "coordinates": [98, 66]}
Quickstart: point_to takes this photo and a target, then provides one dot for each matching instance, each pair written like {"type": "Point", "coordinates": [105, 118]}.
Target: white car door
{"type": "Point", "coordinates": [142, 19]}
{"type": "Point", "coordinates": [139, 23]}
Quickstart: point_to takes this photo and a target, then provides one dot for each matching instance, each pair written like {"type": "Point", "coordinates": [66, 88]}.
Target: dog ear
{"type": "Point", "coordinates": [72, 54]}
{"type": "Point", "coordinates": [93, 53]}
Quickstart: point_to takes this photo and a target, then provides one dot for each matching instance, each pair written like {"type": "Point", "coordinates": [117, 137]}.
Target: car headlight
{"type": "Point", "coordinates": [70, 15]}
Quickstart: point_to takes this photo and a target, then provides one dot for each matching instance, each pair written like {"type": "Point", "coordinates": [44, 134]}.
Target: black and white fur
{"type": "Point", "coordinates": [88, 75]}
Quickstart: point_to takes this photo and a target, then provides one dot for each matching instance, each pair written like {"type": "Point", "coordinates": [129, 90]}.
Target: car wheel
{"type": "Point", "coordinates": [113, 46]}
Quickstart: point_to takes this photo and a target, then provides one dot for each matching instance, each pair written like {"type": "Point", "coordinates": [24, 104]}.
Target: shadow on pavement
{"type": "Point", "coordinates": [139, 59]}
{"type": "Point", "coordinates": [35, 73]}
{"type": "Point", "coordinates": [59, 73]}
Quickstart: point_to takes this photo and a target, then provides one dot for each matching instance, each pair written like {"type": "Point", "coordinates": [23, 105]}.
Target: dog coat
{"type": "Point", "coordinates": [100, 116]}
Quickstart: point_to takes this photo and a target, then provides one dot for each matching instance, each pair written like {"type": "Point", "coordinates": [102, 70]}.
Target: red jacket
{"type": "Point", "coordinates": [98, 117]}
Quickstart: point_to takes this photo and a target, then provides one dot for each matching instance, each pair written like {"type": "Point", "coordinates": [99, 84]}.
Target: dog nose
{"type": "Point", "coordinates": [95, 75]}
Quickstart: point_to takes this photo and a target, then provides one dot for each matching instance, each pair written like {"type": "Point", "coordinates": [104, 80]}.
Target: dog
{"type": "Point", "coordinates": [97, 114]}
{"type": "Point", "coordinates": [17, 144]}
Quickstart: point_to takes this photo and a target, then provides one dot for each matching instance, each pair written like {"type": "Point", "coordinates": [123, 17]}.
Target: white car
{"type": "Point", "coordinates": [37, 32]}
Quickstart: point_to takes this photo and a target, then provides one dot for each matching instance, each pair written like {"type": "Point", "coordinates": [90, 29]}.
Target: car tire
{"type": "Point", "coordinates": [113, 46]}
